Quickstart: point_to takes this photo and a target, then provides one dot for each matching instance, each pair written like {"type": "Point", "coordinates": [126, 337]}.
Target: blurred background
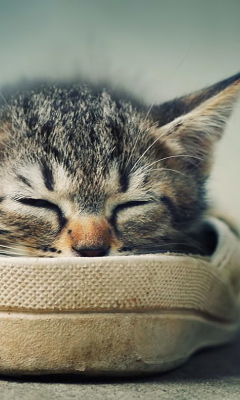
{"type": "Point", "coordinates": [156, 49]}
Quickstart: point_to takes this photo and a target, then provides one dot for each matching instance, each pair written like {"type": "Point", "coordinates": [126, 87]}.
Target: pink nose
{"type": "Point", "coordinates": [91, 251]}
{"type": "Point", "coordinates": [89, 236]}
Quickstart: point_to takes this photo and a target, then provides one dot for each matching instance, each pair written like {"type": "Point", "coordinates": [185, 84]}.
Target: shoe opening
{"type": "Point", "coordinates": [200, 240]}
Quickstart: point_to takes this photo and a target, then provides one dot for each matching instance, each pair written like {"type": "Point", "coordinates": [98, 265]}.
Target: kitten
{"type": "Point", "coordinates": [88, 172]}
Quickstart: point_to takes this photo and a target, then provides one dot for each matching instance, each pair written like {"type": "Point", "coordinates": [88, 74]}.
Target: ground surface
{"type": "Point", "coordinates": [212, 374]}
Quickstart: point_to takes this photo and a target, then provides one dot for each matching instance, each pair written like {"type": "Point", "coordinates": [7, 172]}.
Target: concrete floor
{"type": "Point", "coordinates": [212, 374]}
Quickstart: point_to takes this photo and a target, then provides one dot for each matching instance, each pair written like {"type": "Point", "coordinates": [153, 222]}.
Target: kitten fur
{"type": "Point", "coordinates": [85, 171]}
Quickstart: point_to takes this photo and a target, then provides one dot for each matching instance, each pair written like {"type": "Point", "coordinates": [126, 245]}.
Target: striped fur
{"type": "Point", "coordinates": [88, 172]}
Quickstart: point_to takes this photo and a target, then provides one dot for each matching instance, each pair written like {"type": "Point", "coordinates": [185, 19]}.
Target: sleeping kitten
{"type": "Point", "coordinates": [88, 172]}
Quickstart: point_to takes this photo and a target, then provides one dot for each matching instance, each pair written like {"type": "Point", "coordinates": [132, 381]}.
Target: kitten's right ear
{"type": "Point", "coordinates": [193, 133]}
{"type": "Point", "coordinates": [167, 112]}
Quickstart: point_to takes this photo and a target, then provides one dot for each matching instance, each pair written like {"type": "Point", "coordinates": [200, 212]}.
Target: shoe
{"type": "Point", "coordinates": [118, 315]}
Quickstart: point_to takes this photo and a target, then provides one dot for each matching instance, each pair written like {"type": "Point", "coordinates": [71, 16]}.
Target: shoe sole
{"type": "Point", "coordinates": [104, 344]}
{"type": "Point", "coordinates": [116, 315]}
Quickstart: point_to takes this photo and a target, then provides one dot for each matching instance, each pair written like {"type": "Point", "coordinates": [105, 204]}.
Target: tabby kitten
{"type": "Point", "coordinates": [87, 172]}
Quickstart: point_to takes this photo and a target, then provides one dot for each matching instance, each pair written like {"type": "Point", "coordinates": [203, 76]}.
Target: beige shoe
{"type": "Point", "coordinates": [117, 315]}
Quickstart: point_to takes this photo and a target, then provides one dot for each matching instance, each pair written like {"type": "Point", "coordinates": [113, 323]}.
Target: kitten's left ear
{"type": "Point", "coordinates": [194, 133]}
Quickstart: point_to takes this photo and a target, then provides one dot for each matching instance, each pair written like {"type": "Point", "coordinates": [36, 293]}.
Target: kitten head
{"type": "Point", "coordinates": [86, 172]}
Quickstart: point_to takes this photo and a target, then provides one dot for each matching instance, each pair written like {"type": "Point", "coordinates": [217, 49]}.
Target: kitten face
{"type": "Point", "coordinates": [84, 172]}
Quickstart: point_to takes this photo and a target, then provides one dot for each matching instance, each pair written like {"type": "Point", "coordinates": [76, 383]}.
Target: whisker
{"type": "Point", "coordinates": [152, 144]}
{"type": "Point", "coordinates": [8, 247]}
{"type": "Point", "coordinates": [171, 244]}
{"type": "Point", "coordinates": [10, 250]}
{"type": "Point", "coordinates": [192, 242]}
{"type": "Point", "coordinates": [143, 154]}
{"type": "Point", "coordinates": [169, 80]}
{"type": "Point", "coordinates": [13, 254]}
{"type": "Point", "coordinates": [182, 60]}
{"type": "Point", "coordinates": [168, 169]}
{"type": "Point", "coordinates": [150, 109]}
{"type": "Point", "coordinates": [166, 247]}
{"type": "Point", "coordinates": [176, 156]}
{"type": "Point", "coordinates": [140, 131]}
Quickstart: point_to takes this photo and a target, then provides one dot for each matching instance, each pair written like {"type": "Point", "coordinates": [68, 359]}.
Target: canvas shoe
{"type": "Point", "coordinates": [117, 315]}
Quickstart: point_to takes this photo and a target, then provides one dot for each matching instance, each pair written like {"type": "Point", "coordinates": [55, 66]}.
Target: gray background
{"type": "Point", "coordinates": [157, 49]}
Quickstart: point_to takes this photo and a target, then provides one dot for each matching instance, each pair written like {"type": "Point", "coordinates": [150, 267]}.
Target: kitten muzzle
{"type": "Point", "coordinates": [88, 236]}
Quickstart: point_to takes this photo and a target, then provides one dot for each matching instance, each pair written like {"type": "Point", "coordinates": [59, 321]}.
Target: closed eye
{"type": "Point", "coordinates": [120, 207]}
{"type": "Point", "coordinates": [37, 203]}
{"type": "Point", "coordinates": [40, 203]}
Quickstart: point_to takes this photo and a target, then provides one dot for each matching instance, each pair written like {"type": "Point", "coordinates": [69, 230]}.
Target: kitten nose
{"type": "Point", "coordinates": [89, 236]}
{"type": "Point", "coordinates": [92, 251]}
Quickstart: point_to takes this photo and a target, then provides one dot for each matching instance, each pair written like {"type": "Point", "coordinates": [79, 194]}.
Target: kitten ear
{"type": "Point", "coordinates": [167, 112]}
{"type": "Point", "coordinates": [194, 133]}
